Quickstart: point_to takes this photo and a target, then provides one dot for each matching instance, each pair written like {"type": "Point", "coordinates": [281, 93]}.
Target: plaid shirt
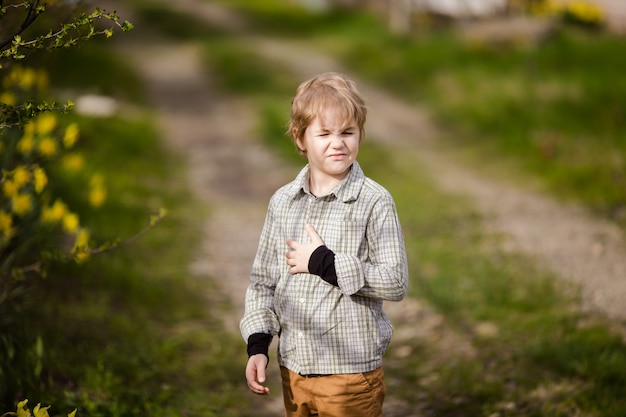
{"type": "Point", "coordinates": [326, 329]}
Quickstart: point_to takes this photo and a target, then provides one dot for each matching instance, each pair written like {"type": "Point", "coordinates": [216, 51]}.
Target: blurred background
{"type": "Point", "coordinates": [129, 221]}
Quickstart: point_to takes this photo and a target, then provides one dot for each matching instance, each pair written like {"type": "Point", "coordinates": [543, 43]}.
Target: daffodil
{"type": "Point", "coordinates": [71, 135]}
{"type": "Point", "coordinates": [21, 204]}
{"type": "Point", "coordinates": [47, 147]}
{"type": "Point", "coordinates": [41, 179]}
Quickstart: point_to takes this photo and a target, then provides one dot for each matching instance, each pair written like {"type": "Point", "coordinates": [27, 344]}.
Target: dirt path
{"type": "Point", "coordinates": [235, 175]}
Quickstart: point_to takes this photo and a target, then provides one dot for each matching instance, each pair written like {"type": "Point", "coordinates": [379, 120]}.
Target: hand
{"type": "Point", "coordinates": [255, 374]}
{"type": "Point", "coordinates": [300, 253]}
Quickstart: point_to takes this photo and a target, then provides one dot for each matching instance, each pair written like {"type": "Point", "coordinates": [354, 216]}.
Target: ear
{"type": "Point", "coordinates": [300, 145]}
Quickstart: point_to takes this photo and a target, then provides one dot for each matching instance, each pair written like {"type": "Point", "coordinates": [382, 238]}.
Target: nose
{"type": "Point", "coordinates": [337, 141]}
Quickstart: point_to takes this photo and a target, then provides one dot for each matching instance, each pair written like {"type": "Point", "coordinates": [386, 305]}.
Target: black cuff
{"type": "Point", "coordinates": [259, 343]}
{"type": "Point", "coordinates": [322, 263]}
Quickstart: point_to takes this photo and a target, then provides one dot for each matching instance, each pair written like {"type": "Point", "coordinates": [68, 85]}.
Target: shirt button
{"type": "Point", "coordinates": [302, 301]}
{"type": "Point", "coordinates": [300, 335]}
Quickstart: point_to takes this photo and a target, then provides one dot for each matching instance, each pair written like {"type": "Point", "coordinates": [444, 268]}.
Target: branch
{"type": "Point", "coordinates": [59, 39]}
{"type": "Point", "coordinates": [12, 116]}
{"type": "Point", "coordinates": [39, 265]}
{"type": "Point", "coordinates": [33, 11]}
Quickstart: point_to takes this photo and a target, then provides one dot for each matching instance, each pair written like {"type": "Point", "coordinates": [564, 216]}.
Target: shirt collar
{"type": "Point", "coordinates": [347, 190]}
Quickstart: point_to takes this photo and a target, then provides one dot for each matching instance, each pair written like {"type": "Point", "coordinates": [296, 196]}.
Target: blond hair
{"type": "Point", "coordinates": [324, 91]}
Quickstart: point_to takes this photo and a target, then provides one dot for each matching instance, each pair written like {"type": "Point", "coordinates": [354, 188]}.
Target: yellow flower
{"type": "Point", "coordinates": [41, 179]}
{"type": "Point", "coordinates": [97, 191]}
{"type": "Point", "coordinates": [29, 129]}
{"type": "Point", "coordinates": [6, 224]}
{"type": "Point", "coordinates": [82, 240]}
{"type": "Point", "coordinates": [45, 123]}
{"type": "Point", "coordinates": [21, 176]}
{"type": "Point", "coordinates": [21, 204]}
{"type": "Point", "coordinates": [54, 213]}
{"type": "Point", "coordinates": [10, 188]}
{"type": "Point", "coordinates": [71, 135]}
{"type": "Point", "coordinates": [22, 411]}
{"type": "Point", "coordinates": [27, 78]}
{"type": "Point", "coordinates": [70, 222]}
{"type": "Point", "coordinates": [47, 147]}
{"type": "Point", "coordinates": [73, 162]}
{"type": "Point", "coordinates": [40, 411]}
{"type": "Point", "coordinates": [26, 144]}
{"type": "Point", "coordinates": [81, 245]}
{"type": "Point", "coordinates": [8, 98]}
{"type": "Point", "coordinates": [97, 196]}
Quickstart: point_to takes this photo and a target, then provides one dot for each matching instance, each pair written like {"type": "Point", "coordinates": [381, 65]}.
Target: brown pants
{"type": "Point", "coordinates": [341, 395]}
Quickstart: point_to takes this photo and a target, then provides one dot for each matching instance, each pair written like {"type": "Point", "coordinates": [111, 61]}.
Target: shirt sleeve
{"type": "Point", "coordinates": [322, 263]}
{"type": "Point", "coordinates": [383, 274]}
{"type": "Point", "coordinates": [259, 315]}
{"type": "Point", "coordinates": [259, 343]}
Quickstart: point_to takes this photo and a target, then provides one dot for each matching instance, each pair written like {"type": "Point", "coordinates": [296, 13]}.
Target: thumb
{"type": "Point", "coordinates": [315, 237]}
{"type": "Point", "coordinates": [260, 374]}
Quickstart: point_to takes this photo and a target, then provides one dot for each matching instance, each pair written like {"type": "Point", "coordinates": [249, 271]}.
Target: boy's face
{"type": "Point", "coordinates": [331, 145]}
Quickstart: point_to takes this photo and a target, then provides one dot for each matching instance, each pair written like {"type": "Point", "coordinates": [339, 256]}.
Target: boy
{"type": "Point", "coordinates": [330, 252]}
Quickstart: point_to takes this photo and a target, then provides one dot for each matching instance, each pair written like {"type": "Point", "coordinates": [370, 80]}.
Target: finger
{"type": "Point", "coordinates": [260, 374]}
{"type": "Point", "coordinates": [292, 243]}
{"type": "Point", "coordinates": [315, 237]}
{"type": "Point", "coordinates": [253, 384]}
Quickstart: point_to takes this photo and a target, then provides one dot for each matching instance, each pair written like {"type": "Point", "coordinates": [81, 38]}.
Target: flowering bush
{"type": "Point", "coordinates": [35, 225]}
{"type": "Point", "coordinates": [31, 217]}
{"type": "Point", "coordinates": [38, 153]}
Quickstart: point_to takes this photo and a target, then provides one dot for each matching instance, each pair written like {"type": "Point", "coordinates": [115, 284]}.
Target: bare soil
{"type": "Point", "coordinates": [234, 174]}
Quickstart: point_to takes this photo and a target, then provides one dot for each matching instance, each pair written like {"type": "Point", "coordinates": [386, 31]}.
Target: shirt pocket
{"type": "Point", "coordinates": [347, 237]}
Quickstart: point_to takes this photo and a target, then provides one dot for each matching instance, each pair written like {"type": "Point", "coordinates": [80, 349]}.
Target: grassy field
{"type": "Point", "coordinates": [126, 336]}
